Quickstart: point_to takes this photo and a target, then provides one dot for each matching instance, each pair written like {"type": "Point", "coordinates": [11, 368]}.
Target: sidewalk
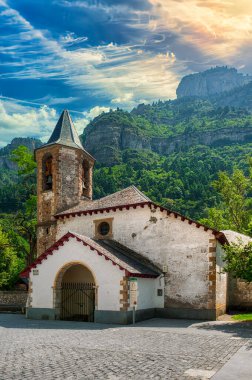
{"type": "Point", "coordinates": [239, 367]}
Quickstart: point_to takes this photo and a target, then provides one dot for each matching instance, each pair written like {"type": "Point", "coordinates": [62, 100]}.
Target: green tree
{"type": "Point", "coordinates": [24, 159]}
{"type": "Point", "coordinates": [238, 260]}
{"type": "Point", "coordinates": [10, 264]}
{"type": "Point", "coordinates": [216, 219]}
{"type": "Point", "coordinates": [234, 211]}
{"type": "Point", "coordinates": [24, 220]}
{"type": "Point", "coordinates": [25, 226]}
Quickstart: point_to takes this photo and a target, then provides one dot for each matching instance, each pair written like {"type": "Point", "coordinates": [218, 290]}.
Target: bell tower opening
{"type": "Point", "coordinates": [47, 173]}
{"type": "Point", "coordinates": [85, 179]}
{"type": "Point", "coordinates": [64, 178]}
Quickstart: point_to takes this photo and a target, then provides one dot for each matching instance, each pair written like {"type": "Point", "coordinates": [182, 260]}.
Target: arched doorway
{"type": "Point", "coordinates": [75, 293]}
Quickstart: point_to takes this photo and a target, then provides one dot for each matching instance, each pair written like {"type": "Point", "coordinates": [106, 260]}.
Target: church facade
{"type": "Point", "coordinates": [107, 259]}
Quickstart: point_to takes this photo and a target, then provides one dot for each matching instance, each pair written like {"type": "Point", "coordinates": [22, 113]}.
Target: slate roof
{"type": "Point", "coordinates": [65, 133]}
{"type": "Point", "coordinates": [128, 257]}
{"type": "Point", "coordinates": [132, 262]}
{"type": "Point", "coordinates": [128, 196]}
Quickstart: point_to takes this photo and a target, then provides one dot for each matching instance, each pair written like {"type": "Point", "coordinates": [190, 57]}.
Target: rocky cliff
{"type": "Point", "coordinates": [107, 147]}
{"type": "Point", "coordinates": [211, 82]}
{"type": "Point", "coordinates": [240, 97]}
{"type": "Point", "coordinates": [108, 135]}
{"type": "Point", "coordinates": [5, 152]}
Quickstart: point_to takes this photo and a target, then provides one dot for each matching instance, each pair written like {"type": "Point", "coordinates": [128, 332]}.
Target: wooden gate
{"type": "Point", "coordinates": [77, 302]}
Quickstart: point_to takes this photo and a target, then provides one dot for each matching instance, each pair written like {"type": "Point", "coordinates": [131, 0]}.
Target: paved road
{"type": "Point", "coordinates": [155, 349]}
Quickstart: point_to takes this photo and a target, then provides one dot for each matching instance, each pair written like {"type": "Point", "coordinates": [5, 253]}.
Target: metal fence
{"type": "Point", "coordinates": [77, 301]}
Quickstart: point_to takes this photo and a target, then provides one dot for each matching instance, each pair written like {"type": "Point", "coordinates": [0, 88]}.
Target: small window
{"type": "Point", "coordinates": [104, 228]}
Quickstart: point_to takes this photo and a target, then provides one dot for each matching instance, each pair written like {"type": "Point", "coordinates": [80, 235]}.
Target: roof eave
{"type": "Point", "coordinates": [220, 236]}
{"type": "Point", "coordinates": [68, 146]}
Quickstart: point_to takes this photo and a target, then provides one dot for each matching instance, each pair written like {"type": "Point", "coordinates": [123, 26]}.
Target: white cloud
{"type": "Point", "coordinates": [24, 121]}
{"type": "Point", "coordinates": [123, 73]}
{"type": "Point", "coordinates": [19, 120]}
{"type": "Point", "coordinates": [51, 101]}
{"type": "Point", "coordinates": [218, 28]}
{"type": "Point", "coordinates": [81, 123]}
{"type": "Point", "coordinates": [95, 111]}
{"type": "Point", "coordinates": [71, 39]}
{"type": "Point", "coordinates": [126, 98]}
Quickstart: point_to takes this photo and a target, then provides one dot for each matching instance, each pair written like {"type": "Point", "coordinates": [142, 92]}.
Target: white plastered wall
{"type": "Point", "coordinates": [147, 293]}
{"type": "Point", "coordinates": [107, 276]}
{"type": "Point", "coordinates": [164, 239]}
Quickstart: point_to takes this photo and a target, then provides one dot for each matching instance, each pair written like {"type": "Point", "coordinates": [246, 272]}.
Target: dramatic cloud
{"type": "Point", "coordinates": [218, 28]}
{"type": "Point", "coordinates": [110, 53]}
{"type": "Point", "coordinates": [25, 121]}
{"type": "Point", "coordinates": [20, 120]}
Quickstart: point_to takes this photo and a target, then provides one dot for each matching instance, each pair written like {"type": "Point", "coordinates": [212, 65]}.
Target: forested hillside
{"type": "Point", "coordinates": [13, 190]}
{"type": "Point", "coordinates": [172, 151]}
{"type": "Point", "coordinates": [166, 128]}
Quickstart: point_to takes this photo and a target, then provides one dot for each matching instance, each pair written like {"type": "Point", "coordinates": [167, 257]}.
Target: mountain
{"type": "Point", "coordinates": [171, 150]}
{"type": "Point", "coordinates": [166, 128]}
{"type": "Point", "coordinates": [240, 97]}
{"type": "Point", "coordinates": [5, 152]}
{"type": "Point", "coordinates": [211, 82]}
{"type": "Point", "coordinates": [13, 191]}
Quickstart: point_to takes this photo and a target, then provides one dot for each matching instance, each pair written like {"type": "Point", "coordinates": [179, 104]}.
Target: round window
{"type": "Point", "coordinates": [104, 228]}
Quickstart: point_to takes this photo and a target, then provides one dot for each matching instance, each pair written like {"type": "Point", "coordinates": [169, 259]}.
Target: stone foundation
{"type": "Point", "coordinates": [126, 317]}
{"type": "Point", "coordinates": [13, 300]}
{"type": "Point", "coordinates": [13, 297]}
{"type": "Point", "coordinates": [239, 294]}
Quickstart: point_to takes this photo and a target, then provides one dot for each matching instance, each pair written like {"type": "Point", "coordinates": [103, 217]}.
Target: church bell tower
{"type": "Point", "coordinates": [64, 178]}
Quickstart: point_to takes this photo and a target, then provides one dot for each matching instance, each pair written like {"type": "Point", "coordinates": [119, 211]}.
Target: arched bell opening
{"type": "Point", "coordinates": [85, 179]}
{"type": "Point", "coordinates": [47, 173]}
{"type": "Point", "coordinates": [75, 293]}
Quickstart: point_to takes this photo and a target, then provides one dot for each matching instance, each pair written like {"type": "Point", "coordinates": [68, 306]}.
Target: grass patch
{"type": "Point", "coordinates": [242, 317]}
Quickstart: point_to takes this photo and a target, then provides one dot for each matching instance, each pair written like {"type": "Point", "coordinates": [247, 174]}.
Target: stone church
{"type": "Point", "coordinates": [104, 260]}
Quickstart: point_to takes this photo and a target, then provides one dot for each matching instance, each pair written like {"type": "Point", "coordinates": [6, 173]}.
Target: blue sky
{"type": "Point", "coordinates": [92, 55]}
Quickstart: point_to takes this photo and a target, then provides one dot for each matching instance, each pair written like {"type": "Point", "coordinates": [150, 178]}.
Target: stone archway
{"type": "Point", "coordinates": [75, 293]}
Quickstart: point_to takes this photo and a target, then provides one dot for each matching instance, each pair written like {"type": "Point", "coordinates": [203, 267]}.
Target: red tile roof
{"type": "Point", "coordinates": [121, 257]}
{"type": "Point", "coordinates": [129, 196]}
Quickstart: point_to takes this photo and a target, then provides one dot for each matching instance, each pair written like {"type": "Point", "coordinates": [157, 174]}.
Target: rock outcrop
{"type": "Point", "coordinates": [107, 144]}
{"type": "Point", "coordinates": [211, 82]}
{"type": "Point", "coordinates": [5, 161]}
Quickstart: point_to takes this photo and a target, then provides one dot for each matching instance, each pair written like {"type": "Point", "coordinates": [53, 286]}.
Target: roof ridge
{"type": "Point", "coordinates": [141, 193]}
{"type": "Point", "coordinates": [125, 189]}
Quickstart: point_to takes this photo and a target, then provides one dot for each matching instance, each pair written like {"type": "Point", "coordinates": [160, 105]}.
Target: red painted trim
{"type": "Point", "coordinates": [101, 210]}
{"type": "Point", "coordinates": [219, 235]}
{"type": "Point", "coordinates": [61, 242]}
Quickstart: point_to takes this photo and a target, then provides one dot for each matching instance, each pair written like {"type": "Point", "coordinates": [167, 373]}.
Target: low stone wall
{"type": "Point", "coordinates": [240, 294]}
{"type": "Point", "coordinates": [13, 298]}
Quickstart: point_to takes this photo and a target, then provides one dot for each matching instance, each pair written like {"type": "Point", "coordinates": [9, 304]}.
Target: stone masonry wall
{"type": "Point", "coordinates": [13, 298]}
{"type": "Point", "coordinates": [240, 294]}
{"type": "Point", "coordinates": [66, 189]}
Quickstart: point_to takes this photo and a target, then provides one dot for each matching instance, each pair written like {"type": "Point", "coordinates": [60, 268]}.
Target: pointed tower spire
{"type": "Point", "coordinates": [65, 133]}
{"type": "Point", "coordinates": [64, 178]}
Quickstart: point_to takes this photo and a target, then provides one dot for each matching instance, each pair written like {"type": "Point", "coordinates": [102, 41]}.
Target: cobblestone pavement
{"type": "Point", "coordinates": [154, 349]}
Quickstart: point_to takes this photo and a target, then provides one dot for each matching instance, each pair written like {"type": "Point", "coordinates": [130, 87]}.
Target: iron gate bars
{"type": "Point", "coordinates": [77, 301]}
